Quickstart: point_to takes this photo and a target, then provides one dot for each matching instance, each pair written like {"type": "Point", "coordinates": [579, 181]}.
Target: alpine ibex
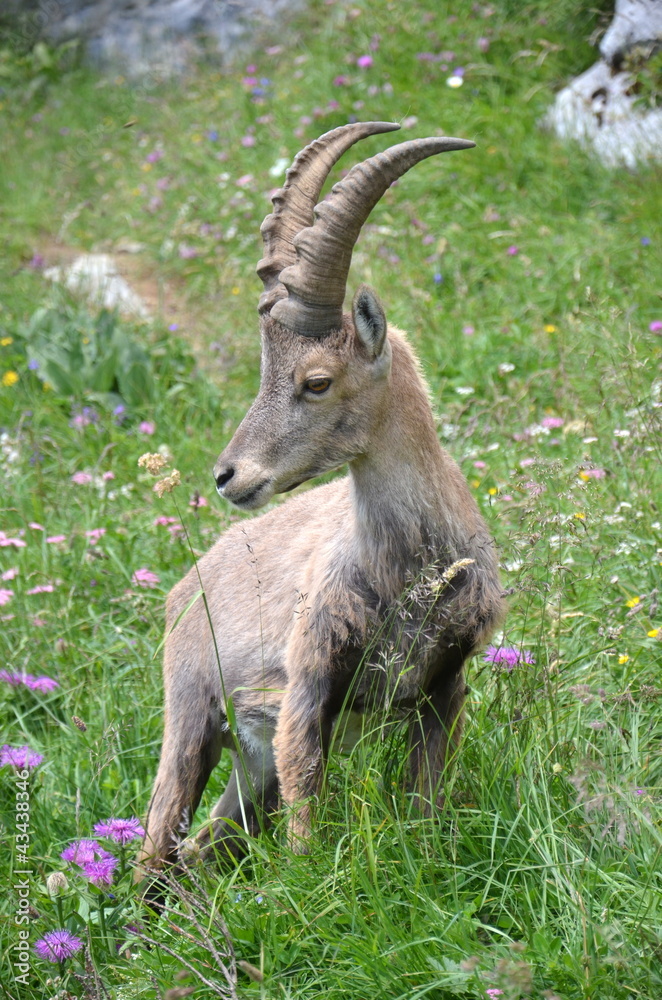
{"type": "Point", "coordinates": [370, 590]}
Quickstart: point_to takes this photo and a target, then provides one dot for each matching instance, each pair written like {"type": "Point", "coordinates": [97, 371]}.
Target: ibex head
{"type": "Point", "coordinates": [325, 375]}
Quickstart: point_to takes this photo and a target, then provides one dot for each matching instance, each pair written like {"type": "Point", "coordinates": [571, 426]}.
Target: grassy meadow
{"type": "Point", "coordinates": [529, 280]}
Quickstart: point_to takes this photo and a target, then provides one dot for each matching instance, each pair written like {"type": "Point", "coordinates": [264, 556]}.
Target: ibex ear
{"type": "Point", "coordinates": [369, 320]}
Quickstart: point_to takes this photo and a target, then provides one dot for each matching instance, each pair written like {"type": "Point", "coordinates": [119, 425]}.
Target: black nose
{"type": "Point", "coordinates": [224, 476]}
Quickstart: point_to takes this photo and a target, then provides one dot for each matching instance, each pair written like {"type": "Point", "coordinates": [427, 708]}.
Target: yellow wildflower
{"type": "Point", "coordinates": [653, 634]}
{"type": "Point", "coordinates": [492, 491]}
{"type": "Point", "coordinates": [236, 290]}
{"type": "Point", "coordinates": [550, 328]}
{"type": "Point", "coordinates": [632, 603]}
{"type": "Point", "coordinates": [6, 341]}
{"type": "Point", "coordinates": [10, 378]}
{"type": "Point", "coordinates": [578, 514]}
{"type": "Point", "coordinates": [623, 658]}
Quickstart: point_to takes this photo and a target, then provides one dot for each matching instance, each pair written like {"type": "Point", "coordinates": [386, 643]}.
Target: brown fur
{"type": "Point", "coordinates": [339, 596]}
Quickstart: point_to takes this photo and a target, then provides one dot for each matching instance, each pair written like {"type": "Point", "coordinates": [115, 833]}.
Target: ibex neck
{"type": "Point", "coordinates": [405, 487]}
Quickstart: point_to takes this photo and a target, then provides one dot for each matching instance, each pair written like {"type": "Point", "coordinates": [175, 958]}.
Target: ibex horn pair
{"type": "Point", "coordinates": [309, 245]}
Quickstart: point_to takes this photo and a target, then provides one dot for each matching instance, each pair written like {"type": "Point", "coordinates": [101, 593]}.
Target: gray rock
{"type": "Point", "coordinates": [94, 276]}
{"type": "Point", "coordinates": [598, 108]}
{"type": "Point", "coordinates": [636, 24]}
{"type": "Point", "coordinates": [140, 37]}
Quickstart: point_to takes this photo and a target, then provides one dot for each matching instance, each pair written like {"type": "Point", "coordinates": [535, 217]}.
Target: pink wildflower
{"type": "Point", "coordinates": [94, 534]}
{"type": "Point", "coordinates": [512, 251]}
{"type": "Point", "coordinates": [42, 588]}
{"type": "Point", "coordinates": [120, 830]}
{"type": "Point", "coordinates": [163, 520]}
{"type": "Point", "coordinates": [147, 427]}
{"type": "Point", "coordinates": [593, 474]}
{"type": "Point", "coordinates": [54, 539]}
{"type": "Point", "coordinates": [33, 683]}
{"type": "Point", "coordinates": [81, 478]}
{"type": "Point", "coordinates": [9, 574]}
{"type": "Point", "coordinates": [35, 526]}
{"type": "Point", "coordinates": [507, 657]}
{"type": "Point", "coordinates": [57, 946]}
{"type": "Point", "coordinates": [18, 543]}
{"type": "Point", "coordinates": [19, 757]}
{"type": "Point", "coordinates": [80, 852]}
{"type": "Point", "coordinates": [145, 578]}
{"type": "Point", "coordinates": [551, 422]}
{"type": "Point", "coordinates": [493, 994]}
{"type": "Point", "coordinates": [5, 595]}
{"type": "Point", "coordinates": [198, 501]}
{"type": "Point", "coordinates": [364, 62]}
{"type": "Point", "coordinates": [108, 475]}
{"type": "Point", "coordinates": [655, 326]}
{"type": "Point", "coordinates": [100, 872]}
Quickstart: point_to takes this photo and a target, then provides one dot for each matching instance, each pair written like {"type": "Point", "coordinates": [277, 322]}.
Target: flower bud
{"type": "Point", "coordinates": [57, 883]}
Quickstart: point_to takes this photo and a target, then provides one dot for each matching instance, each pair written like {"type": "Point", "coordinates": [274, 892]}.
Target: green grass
{"type": "Point", "coordinates": [541, 875]}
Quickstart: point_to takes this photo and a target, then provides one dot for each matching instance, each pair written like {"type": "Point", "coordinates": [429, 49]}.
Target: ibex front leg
{"type": "Point", "coordinates": [434, 734]}
{"type": "Point", "coordinates": [300, 744]}
{"type": "Point", "coordinates": [192, 744]}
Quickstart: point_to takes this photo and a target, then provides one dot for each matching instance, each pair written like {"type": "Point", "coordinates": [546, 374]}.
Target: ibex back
{"type": "Point", "coordinates": [370, 590]}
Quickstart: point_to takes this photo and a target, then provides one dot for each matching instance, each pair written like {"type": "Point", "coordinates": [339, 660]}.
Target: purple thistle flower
{"type": "Point", "coordinates": [33, 683]}
{"type": "Point", "coordinates": [19, 757]}
{"type": "Point", "coordinates": [507, 657]}
{"type": "Point", "coordinates": [80, 852]}
{"type": "Point", "coordinates": [100, 872]}
{"type": "Point", "coordinates": [120, 830]}
{"type": "Point", "coordinates": [57, 946]}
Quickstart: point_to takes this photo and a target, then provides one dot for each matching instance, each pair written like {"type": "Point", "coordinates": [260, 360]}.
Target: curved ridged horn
{"type": "Point", "coordinates": [316, 282]}
{"type": "Point", "coordinates": [295, 201]}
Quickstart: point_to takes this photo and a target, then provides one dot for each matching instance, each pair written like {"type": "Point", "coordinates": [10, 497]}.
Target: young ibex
{"type": "Point", "coordinates": [372, 589]}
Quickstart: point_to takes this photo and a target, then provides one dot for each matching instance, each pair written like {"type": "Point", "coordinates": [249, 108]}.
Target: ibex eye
{"type": "Point", "coordinates": [318, 385]}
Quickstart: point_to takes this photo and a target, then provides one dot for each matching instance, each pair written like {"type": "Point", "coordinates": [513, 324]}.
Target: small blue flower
{"type": "Point", "coordinates": [437, 278]}
{"type": "Point", "coordinates": [645, 241]}
{"type": "Point", "coordinates": [33, 365]}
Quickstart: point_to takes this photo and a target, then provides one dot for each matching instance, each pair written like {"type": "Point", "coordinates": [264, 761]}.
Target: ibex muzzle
{"type": "Point", "coordinates": [368, 592]}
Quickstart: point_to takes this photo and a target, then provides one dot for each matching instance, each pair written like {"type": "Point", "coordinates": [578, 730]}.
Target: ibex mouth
{"type": "Point", "coordinates": [247, 499]}
{"type": "Point", "coordinates": [288, 489]}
